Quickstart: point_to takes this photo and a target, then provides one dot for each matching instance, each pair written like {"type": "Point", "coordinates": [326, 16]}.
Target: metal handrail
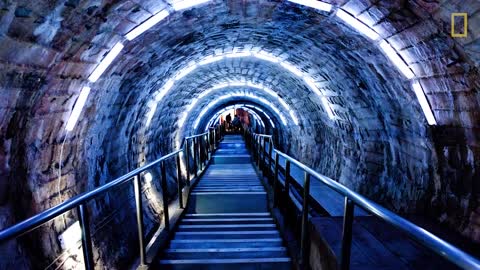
{"type": "Point", "coordinates": [427, 239]}
{"type": "Point", "coordinates": [80, 201]}
{"type": "Point", "coordinates": [263, 135]}
{"type": "Point", "coordinates": [196, 136]}
{"type": "Point", "coordinates": [34, 222]}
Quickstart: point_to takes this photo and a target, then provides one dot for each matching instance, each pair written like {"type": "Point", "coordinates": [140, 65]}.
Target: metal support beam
{"type": "Point", "coordinates": [304, 240]}
{"type": "Point", "coordinates": [86, 237]}
{"type": "Point", "coordinates": [139, 210]}
{"type": "Point", "coordinates": [347, 234]}
{"type": "Point", "coordinates": [166, 216]}
{"type": "Point", "coordinates": [179, 183]}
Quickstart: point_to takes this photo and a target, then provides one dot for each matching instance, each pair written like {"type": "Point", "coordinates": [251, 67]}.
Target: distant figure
{"type": "Point", "coordinates": [236, 123]}
{"type": "Point", "coordinates": [229, 120]}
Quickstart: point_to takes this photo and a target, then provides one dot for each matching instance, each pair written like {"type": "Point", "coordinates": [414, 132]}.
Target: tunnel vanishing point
{"type": "Point", "coordinates": [358, 145]}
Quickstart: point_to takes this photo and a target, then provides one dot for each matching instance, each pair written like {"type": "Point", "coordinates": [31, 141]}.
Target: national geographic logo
{"type": "Point", "coordinates": [462, 28]}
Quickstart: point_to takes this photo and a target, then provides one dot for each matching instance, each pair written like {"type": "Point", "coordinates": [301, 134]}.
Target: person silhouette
{"type": "Point", "coordinates": [229, 120]}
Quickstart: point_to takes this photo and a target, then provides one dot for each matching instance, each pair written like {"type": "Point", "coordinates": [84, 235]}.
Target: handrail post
{"type": "Point", "coordinates": [195, 162]}
{"type": "Point", "coordinates": [255, 149]}
{"type": "Point", "coordinates": [179, 183]}
{"type": "Point", "coordinates": [264, 156]}
{"type": "Point", "coordinates": [200, 146]}
{"type": "Point", "coordinates": [304, 241]}
{"type": "Point", "coordinates": [287, 179]}
{"type": "Point", "coordinates": [187, 160]}
{"type": "Point", "coordinates": [210, 147]}
{"type": "Point", "coordinates": [275, 179]}
{"type": "Point", "coordinates": [139, 209]}
{"type": "Point", "coordinates": [214, 138]}
{"type": "Point", "coordinates": [347, 234]}
{"type": "Point", "coordinates": [270, 158]}
{"type": "Point", "coordinates": [200, 152]}
{"type": "Point", "coordinates": [164, 196]}
{"type": "Point", "coordinates": [205, 149]}
{"type": "Point", "coordinates": [86, 237]}
{"type": "Point", "coordinates": [258, 152]}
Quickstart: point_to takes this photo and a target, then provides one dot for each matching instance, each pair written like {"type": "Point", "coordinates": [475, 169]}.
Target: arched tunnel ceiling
{"type": "Point", "coordinates": [378, 141]}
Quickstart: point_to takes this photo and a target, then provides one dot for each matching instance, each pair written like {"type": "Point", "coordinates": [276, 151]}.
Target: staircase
{"type": "Point", "coordinates": [227, 224]}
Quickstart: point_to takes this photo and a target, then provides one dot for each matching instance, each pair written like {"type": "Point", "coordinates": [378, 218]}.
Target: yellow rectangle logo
{"type": "Point", "coordinates": [464, 33]}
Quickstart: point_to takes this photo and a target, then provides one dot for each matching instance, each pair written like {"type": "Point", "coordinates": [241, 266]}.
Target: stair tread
{"type": "Point", "coordinates": [200, 250]}
{"type": "Point", "coordinates": [216, 193]}
{"type": "Point", "coordinates": [228, 214]}
{"type": "Point", "coordinates": [227, 232]}
{"type": "Point", "coordinates": [227, 226]}
{"type": "Point", "coordinates": [227, 219]}
{"type": "Point", "coordinates": [223, 261]}
{"type": "Point", "coordinates": [226, 240]}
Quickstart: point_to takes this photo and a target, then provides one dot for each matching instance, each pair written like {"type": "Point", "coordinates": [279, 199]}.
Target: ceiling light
{"type": "Point", "coordinates": [210, 59]}
{"type": "Point", "coordinates": [106, 62]}
{"type": "Point", "coordinates": [357, 24]}
{"type": "Point", "coordinates": [239, 54]}
{"type": "Point", "coordinates": [237, 84]}
{"type": "Point", "coordinates": [164, 90]}
{"type": "Point", "coordinates": [417, 88]}
{"type": "Point", "coordinates": [326, 105]}
{"type": "Point", "coordinates": [184, 4]}
{"type": "Point", "coordinates": [265, 56]}
{"type": "Point", "coordinates": [151, 113]}
{"type": "Point", "coordinates": [147, 25]}
{"type": "Point", "coordinates": [185, 72]}
{"type": "Point", "coordinates": [311, 83]}
{"type": "Point", "coordinates": [292, 69]}
{"type": "Point", "coordinates": [77, 109]}
{"type": "Point", "coordinates": [294, 118]}
{"type": "Point", "coordinates": [396, 59]}
{"type": "Point", "coordinates": [314, 4]}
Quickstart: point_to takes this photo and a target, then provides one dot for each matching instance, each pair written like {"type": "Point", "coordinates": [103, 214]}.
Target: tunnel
{"type": "Point", "coordinates": [379, 96]}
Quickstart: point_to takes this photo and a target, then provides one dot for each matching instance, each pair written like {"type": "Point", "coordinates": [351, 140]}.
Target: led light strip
{"type": "Point", "coordinates": [137, 31]}
{"type": "Point", "coordinates": [77, 109]}
{"type": "Point", "coordinates": [184, 4]}
{"type": "Point", "coordinates": [417, 88]}
{"type": "Point", "coordinates": [105, 63]}
{"type": "Point", "coordinates": [327, 107]}
{"type": "Point", "coordinates": [314, 4]}
{"type": "Point", "coordinates": [357, 24]}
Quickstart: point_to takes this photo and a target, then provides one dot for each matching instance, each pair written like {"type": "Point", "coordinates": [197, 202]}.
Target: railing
{"type": "Point", "coordinates": [203, 144]}
{"type": "Point", "coordinates": [258, 143]}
